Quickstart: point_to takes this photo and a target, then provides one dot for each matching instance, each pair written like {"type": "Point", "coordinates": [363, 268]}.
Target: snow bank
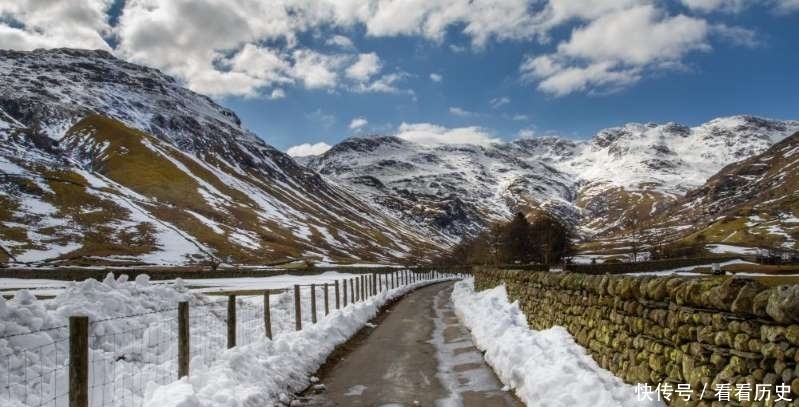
{"type": "Point", "coordinates": [545, 368]}
{"type": "Point", "coordinates": [133, 345]}
{"type": "Point", "coordinates": [131, 340]}
{"type": "Point", "coordinates": [268, 372]}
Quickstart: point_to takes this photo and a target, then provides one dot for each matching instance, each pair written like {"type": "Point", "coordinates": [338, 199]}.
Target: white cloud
{"type": "Point", "coordinates": [496, 103]}
{"type": "Point", "coordinates": [229, 47]}
{"type": "Point", "coordinates": [341, 42]}
{"type": "Point", "coordinates": [384, 84]}
{"type": "Point", "coordinates": [316, 70]}
{"type": "Point", "coordinates": [357, 123]}
{"type": "Point", "coordinates": [365, 67]}
{"type": "Point", "coordinates": [737, 35]}
{"type": "Point", "coordinates": [307, 149]}
{"type": "Point", "coordinates": [277, 94]}
{"type": "Point", "coordinates": [521, 117]}
{"type": "Point", "coordinates": [457, 111]}
{"type": "Point", "coordinates": [431, 134]}
{"type": "Point", "coordinates": [616, 50]}
{"type": "Point", "coordinates": [786, 6]}
{"type": "Point", "coordinates": [436, 77]}
{"type": "Point", "coordinates": [49, 24]}
{"type": "Point", "coordinates": [730, 6]}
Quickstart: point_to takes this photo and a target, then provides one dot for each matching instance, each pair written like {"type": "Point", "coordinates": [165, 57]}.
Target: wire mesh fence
{"type": "Point", "coordinates": [208, 338]}
{"type": "Point", "coordinates": [36, 369]}
{"type": "Point", "coordinates": [128, 356]}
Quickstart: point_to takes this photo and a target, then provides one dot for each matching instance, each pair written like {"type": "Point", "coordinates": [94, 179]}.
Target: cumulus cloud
{"type": "Point", "coordinates": [615, 50]}
{"type": "Point", "coordinates": [520, 117]}
{"type": "Point", "coordinates": [308, 149]}
{"type": "Point", "coordinates": [431, 134]}
{"type": "Point", "coordinates": [457, 111]}
{"type": "Point", "coordinates": [366, 66]}
{"type": "Point", "coordinates": [49, 24]}
{"type": "Point", "coordinates": [358, 122]}
{"type": "Point", "coordinates": [436, 77]}
{"type": "Point", "coordinates": [252, 47]}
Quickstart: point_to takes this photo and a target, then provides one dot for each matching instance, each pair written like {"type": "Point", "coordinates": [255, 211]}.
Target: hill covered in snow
{"type": "Point", "coordinates": [107, 161]}
{"type": "Point", "coordinates": [104, 161]}
{"type": "Point", "coordinates": [632, 170]}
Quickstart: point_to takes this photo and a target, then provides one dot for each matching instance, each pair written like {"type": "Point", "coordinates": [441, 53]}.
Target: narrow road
{"type": "Point", "coordinates": [418, 355]}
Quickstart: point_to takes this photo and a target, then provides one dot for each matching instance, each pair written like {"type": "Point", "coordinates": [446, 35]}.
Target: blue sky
{"type": "Point", "coordinates": [301, 72]}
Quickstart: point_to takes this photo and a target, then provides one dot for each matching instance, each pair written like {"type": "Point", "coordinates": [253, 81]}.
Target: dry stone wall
{"type": "Point", "coordinates": [677, 330]}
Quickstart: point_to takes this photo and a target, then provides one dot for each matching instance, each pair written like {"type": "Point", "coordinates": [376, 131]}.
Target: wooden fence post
{"type": "Point", "coordinates": [338, 299]}
{"type": "Point", "coordinates": [297, 309]}
{"type": "Point", "coordinates": [394, 279]}
{"type": "Point", "coordinates": [327, 306]}
{"type": "Point", "coordinates": [231, 321]}
{"type": "Point", "coordinates": [345, 291]}
{"type": "Point", "coordinates": [363, 288]}
{"type": "Point", "coordinates": [352, 290]}
{"type": "Point", "coordinates": [79, 361]}
{"type": "Point", "coordinates": [357, 289]}
{"type": "Point", "coordinates": [267, 316]}
{"type": "Point", "coordinates": [374, 283]}
{"type": "Point", "coordinates": [313, 303]}
{"type": "Point", "coordinates": [183, 339]}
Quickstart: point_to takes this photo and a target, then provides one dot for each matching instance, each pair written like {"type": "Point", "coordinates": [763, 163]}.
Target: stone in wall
{"type": "Point", "coordinates": [675, 329]}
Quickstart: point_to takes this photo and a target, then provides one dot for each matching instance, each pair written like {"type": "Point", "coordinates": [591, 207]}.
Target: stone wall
{"type": "Point", "coordinates": [701, 331]}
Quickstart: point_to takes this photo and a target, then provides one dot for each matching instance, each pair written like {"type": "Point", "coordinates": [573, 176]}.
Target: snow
{"type": "Point", "coordinates": [543, 367]}
{"type": "Point", "coordinates": [133, 344]}
{"type": "Point", "coordinates": [726, 248]}
{"type": "Point", "coordinates": [265, 372]}
{"type": "Point", "coordinates": [688, 270]}
{"type": "Point", "coordinates": [274, 282]}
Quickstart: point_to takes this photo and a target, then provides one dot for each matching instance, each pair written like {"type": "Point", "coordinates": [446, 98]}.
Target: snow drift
{"type": "Point", "coordinates": [544, 368]}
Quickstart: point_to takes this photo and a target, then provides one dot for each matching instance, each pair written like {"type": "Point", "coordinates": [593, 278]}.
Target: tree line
{"type": "Point", "coordinates": [544, 240]}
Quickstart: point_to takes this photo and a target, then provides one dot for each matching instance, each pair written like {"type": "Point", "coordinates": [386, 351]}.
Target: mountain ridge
{"type": "Point", "coordinates": [590, 183]}
{"type": "Point", "coordinates": [160, 161]}
{"type": "Point", "coordinates": [108, 162]}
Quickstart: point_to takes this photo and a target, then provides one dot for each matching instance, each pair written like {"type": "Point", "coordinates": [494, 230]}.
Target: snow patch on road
{"type": "Point", "coordinates": [544, 368]}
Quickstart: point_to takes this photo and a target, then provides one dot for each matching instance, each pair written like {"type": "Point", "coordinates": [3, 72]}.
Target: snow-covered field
{"type": "Point", "coordinates": [544, 368]}
{"type": "Point", "coordinates": [133, 343]}
{"type": "Point", "coordinates": [689, 270]}
{"type": "Point", "coordinates": [41, 287]}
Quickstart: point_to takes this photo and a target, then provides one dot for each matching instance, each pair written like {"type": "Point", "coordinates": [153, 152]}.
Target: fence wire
{"type": "Point", "coordinates": [36, 370]}
{"type": "Point", "coordinates": [129, 355]}
{"type": "Point", "coordinates": [208, 333]}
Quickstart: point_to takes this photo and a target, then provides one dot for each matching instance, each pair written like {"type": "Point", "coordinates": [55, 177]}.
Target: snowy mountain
{"type": "Point", "coordinates": [750, 202]}
{"type": "Point", "coordinates": [591, 184]}
{"type": "Point", "coordinates": [102, 160]}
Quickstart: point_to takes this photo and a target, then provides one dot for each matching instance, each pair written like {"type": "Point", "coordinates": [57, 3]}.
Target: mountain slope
{"type": "Point", "coordinates": [592, 184]}
{"type": "Point", "coordinates": [751, 202]}
{"type": "Point", "coordinates": [103, 160]}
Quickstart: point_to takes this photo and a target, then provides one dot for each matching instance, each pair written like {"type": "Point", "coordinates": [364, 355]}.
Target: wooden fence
{"type": "Point", "coordinates": [336, 295]}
